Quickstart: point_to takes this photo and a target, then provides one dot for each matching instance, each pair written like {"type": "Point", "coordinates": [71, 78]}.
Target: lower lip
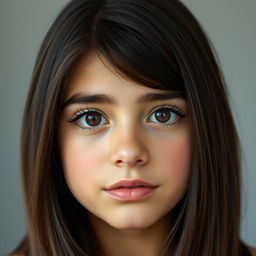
{"type": "Point", "coordinates": [130, 194]}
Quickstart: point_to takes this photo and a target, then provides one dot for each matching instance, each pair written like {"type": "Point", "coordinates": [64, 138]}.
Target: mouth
{"type": "Point", "coordinates": [131, 190]}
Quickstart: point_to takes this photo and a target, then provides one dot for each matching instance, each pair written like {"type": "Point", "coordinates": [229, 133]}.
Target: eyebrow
{"type": "Point", "coordinates": [80, 98]}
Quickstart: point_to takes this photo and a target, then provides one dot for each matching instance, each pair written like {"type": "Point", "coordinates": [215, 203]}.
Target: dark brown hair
{"type": "Point", "coordinates": [159, 44]}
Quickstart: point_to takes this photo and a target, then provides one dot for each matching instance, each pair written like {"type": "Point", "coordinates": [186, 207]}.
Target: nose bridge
{"type": "Point", "coordinates": [128, 148]}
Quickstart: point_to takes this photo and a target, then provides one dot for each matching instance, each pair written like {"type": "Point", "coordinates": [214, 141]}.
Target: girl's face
{"type": "Point", "coordinates": [123, 136]}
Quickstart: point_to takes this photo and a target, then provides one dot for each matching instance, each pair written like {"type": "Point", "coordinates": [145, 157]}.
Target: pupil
{"type": "Point", "coordinates": [163, 116]}
{"type": "Point", "coordinates": [93, 119]}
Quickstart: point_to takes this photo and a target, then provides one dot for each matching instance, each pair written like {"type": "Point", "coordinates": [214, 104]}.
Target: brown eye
{"type": "Point", "coordinates": [92, 119]}
{"type": "Point", "coordinates": [163, 115]}
{"type": "Point", "coordinates": [88, 119]}
{"type": "Point", "coordinates": [166, 115]}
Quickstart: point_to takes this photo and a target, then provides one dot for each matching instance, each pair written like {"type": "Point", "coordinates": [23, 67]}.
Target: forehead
{"type": "Point", "coordinates": [94, 75]}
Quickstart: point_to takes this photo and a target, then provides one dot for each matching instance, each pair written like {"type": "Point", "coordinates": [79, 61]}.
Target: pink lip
{"type": "Point", "coordinates": [130, 190]}
{"type": "Point", "coordinates": [130, 184]}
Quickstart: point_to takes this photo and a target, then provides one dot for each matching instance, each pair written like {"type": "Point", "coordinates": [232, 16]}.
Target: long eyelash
{"type": "Point", "coordinates": [174, 109]}
{"type": "Point", "coordinates": [86, 130]}
{"type": "Point", "coordinates": [79, 113]}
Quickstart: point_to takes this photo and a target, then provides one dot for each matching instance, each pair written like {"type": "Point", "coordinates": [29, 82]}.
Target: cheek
{"type": "Point", "coordinates": [178, 155]}
{"type": "Point", "coordinates": [175, 162]}
{"type": "Point", "coordinates": [78, 157]}
{"type": "Point", "coordinates": [175, 159]}
{"type": "Point", "coordinates": [80, 162]}
{"type": "Point", "coordinates": [175, 150]}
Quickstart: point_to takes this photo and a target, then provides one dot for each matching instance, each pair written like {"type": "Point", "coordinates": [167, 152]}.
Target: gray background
{"type": "Point", "coordinates": [230, 24]}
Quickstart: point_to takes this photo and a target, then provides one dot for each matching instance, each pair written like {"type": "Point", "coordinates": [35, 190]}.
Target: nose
{"type": "Point", "coordinates": [128, 151]}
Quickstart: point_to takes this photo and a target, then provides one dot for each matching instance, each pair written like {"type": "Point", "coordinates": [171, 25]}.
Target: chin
{"type": "Point", "coordinates": [130, 225]}
{"type": "Point", "coordinates": [132, 222]}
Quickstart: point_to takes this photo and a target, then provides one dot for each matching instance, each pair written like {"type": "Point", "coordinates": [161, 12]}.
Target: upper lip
{"type": "Point", "coordinates": [130, 183]}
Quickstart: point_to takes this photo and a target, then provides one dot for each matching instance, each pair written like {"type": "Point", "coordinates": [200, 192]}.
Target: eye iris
{"type": "Point", "coordinates": [93, 119]}
{"type": "Point", "coordinates": [162, 115]}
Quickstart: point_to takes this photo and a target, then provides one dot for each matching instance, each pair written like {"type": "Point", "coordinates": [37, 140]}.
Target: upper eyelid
{"type": "Point", "coordinates": [173, 107]}
{"type": "Point", "coordinates": [84, 111]}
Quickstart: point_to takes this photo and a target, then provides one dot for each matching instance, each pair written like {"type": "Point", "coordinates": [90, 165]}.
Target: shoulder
{"type": "Point", "coordinates": [252, 250]}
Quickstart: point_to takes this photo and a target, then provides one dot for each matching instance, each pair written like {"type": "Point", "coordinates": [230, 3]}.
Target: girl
{"type": "Point", "coordinates": [128, 142]}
